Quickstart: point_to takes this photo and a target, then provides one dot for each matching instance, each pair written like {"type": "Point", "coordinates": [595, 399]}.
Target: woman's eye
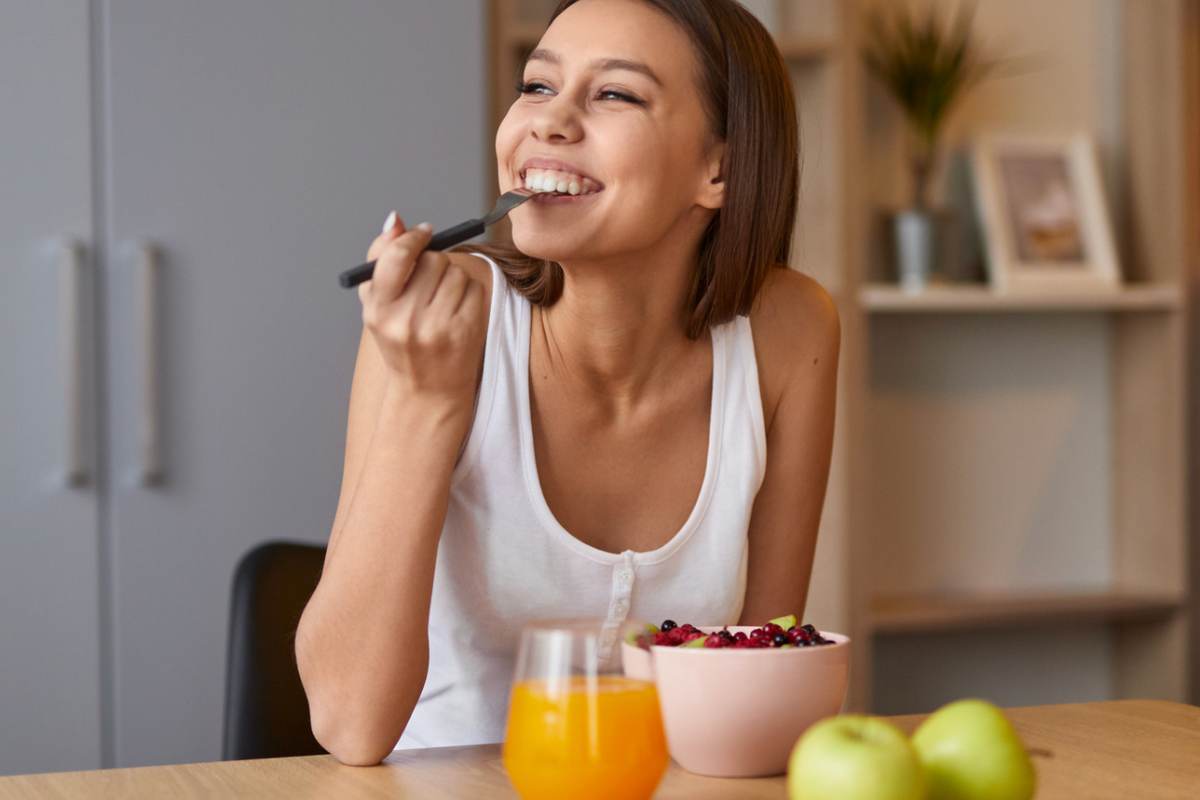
{"type": "Point", "coordinates": [533, 87]}
{"type": "Point", "coordinates": [622, 96]}
{"type": "Point", "coordinates": [529, 88]}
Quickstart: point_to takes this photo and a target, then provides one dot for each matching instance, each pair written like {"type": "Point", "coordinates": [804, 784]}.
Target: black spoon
{"type": "Point", "coordinates": [449, 237]}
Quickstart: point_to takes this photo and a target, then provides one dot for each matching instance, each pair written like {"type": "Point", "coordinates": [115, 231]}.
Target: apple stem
{"type": "Point", "coordinates": [1040, 753]}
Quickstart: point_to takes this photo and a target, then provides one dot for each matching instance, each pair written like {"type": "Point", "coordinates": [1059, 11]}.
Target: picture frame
{"type": "Point", "coordinates": [1041, 204]}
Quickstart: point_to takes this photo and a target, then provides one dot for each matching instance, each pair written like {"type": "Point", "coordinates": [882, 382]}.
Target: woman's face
{"type": "Point", "coordinates": [641, 138]}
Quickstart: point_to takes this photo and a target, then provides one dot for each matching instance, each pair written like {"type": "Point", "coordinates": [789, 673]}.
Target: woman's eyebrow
{"type": "Point", "coordinates": [541, 54]}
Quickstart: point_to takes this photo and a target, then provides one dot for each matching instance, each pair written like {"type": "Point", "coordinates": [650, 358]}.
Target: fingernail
{"type": "Point", "coordinates": [390, 222]}
{"type": "Point", "coordinates": [425, 226]}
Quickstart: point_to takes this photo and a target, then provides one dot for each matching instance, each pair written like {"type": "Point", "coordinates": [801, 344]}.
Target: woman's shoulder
{"type": "Point", "coordinates": [795, 326]}
{"type": "Point", "coordinates": [476, 266]}
{"type": "Point", "coordinates": [480, 270]}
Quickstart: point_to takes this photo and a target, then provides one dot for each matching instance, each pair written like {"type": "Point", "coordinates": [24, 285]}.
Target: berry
{"type": "Point", "coordinates": [672, 634]}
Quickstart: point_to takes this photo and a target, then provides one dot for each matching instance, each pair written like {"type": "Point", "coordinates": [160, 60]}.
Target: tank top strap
{"type": "Point", "coordinates": [499, 346]}
{"type": "Point", "coordinates": [743, 405]}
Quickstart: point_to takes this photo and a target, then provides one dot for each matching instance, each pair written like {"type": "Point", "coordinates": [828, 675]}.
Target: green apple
{"type": "Point", "coordinates": [854, 757]}
{"type": "Point", "coordinates": [970, 751]}
{"type": "Point", "coordinates": [789, 621]}
{"type": "Point", "coordinates": [697, 642]}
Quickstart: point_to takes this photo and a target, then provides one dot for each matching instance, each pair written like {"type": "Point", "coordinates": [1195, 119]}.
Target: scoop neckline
{"type": "Point", "coordinates": [533, 483]}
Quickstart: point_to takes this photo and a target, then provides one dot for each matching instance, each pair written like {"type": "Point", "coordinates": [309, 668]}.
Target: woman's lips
{"type": "Point", "coordinates": [555, 199]}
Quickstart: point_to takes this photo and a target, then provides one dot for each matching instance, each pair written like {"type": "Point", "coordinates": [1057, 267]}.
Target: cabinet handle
{"type": "Point", "coordinates": [70, 358]}
{"type": "Point", "coordinates": [150, 470]}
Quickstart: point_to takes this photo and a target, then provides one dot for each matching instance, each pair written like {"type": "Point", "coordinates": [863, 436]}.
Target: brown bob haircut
{"type": "Point", "coordinates": [746, 91]}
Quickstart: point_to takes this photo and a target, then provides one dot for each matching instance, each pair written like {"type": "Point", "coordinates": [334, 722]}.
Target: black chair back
{"type": "Point", "coordinates": [266, 710]}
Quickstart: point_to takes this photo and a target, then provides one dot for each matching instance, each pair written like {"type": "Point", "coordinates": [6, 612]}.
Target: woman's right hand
{"type": "Point", "coordinates": [425, 315]}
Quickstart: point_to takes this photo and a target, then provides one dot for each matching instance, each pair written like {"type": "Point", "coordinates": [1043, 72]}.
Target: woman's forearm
{"type": "Point", "coordinates": [362, 646]}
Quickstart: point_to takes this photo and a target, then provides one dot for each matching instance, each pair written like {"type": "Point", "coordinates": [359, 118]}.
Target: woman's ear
{"type": "Point", "coordinates": [712, 191]}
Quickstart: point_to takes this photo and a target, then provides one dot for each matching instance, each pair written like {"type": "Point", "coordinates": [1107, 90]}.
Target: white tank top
{"type": "Point", "coordinates": [504, 559]}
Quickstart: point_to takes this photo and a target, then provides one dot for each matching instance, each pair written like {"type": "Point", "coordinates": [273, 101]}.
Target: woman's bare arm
{"type": "Point", "coordinates": [798, 333]}
{"type": "Point", "coordinates": [362, 644]}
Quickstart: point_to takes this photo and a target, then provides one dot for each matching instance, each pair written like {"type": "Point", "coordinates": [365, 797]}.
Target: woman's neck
{"type": "Point", "coordinates": [617, 333]}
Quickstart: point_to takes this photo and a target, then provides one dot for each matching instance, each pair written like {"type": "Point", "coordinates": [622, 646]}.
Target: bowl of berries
{"type": "Point", "coordinates": [735, 699]}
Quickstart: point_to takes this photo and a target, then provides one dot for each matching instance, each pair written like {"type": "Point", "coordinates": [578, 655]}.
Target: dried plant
{"type": "Point", "coordinates": [926, 70]}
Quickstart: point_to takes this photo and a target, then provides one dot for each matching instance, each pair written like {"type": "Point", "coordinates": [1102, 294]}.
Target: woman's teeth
{"type": "Point", "coordinates": [545, 180]}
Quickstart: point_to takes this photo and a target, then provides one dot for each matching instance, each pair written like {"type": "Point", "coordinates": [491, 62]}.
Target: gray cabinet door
{"type": "Point", "coordinates": [50, 712]}
{"type": "Point", "coordinates": [255, 147]}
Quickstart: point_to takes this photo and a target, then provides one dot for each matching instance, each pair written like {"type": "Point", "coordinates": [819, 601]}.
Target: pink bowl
{"type": "Point", "coordinates": [738, 713]}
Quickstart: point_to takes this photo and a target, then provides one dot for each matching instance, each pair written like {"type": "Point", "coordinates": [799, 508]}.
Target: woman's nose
{"type": "Point", "coordinates": [556, 120]}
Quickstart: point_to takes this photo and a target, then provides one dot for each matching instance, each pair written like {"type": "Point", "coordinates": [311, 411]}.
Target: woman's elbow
{"type": "Point", "coordinates": [352, 745]}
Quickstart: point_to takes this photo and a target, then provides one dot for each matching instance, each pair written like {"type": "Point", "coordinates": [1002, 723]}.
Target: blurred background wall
{"type": "Point", "coordinates": [183, 182]}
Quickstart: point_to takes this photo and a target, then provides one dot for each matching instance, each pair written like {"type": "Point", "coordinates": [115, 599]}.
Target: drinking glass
{"type": "Point", "coordinates": [579, 727]}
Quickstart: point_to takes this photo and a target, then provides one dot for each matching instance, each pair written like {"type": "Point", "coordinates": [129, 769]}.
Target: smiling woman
{"type": "Point", "coordinates": [627, 414]}
{"type": "Point", "coordinates": [722, 110]}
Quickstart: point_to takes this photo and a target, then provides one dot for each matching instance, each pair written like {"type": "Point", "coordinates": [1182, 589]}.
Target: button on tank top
{"type": "Point", "coordinates": [504, 559]}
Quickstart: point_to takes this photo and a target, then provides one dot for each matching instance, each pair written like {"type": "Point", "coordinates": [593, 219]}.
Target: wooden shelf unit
{"type": "Point", "coordinates": [946, 367]}
{"type": "Point", "coordinates": [888, 298]}
{"type": "Point", "coordinates": [959, 611]}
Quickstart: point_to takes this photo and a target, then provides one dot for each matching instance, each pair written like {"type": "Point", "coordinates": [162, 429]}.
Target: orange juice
{"type": "Point", "coordinates": [585, 738]}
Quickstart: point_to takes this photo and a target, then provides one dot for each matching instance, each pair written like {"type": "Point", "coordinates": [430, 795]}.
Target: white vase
{"type": "Point", "coordinates": [915, 248]}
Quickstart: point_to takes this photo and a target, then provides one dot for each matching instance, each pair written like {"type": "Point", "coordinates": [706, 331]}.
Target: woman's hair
{"type": "Point", "coordinates": [746, 92]}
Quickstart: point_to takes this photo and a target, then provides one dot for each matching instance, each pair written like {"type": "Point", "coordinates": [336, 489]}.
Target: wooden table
{"type": "Point", "coordinates": [1125, 750]}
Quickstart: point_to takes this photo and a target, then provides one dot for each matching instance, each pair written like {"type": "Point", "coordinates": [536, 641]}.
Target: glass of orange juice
{"type": "Point", "coordinates": [577, 726]}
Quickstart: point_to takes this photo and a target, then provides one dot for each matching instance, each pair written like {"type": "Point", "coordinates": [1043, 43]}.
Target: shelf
{"type": "Point", "coordinates": [886, 298]}
{"type": "Point", "coordinates": [951, 612]}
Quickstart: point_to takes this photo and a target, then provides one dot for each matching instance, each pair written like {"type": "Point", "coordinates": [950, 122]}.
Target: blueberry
{"type": "Point", "coordinates": [811, 630]}
{"type": "Point", "coordinates": [780, 639]}
{"type": "Point", "coordinates": [668, 625]}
